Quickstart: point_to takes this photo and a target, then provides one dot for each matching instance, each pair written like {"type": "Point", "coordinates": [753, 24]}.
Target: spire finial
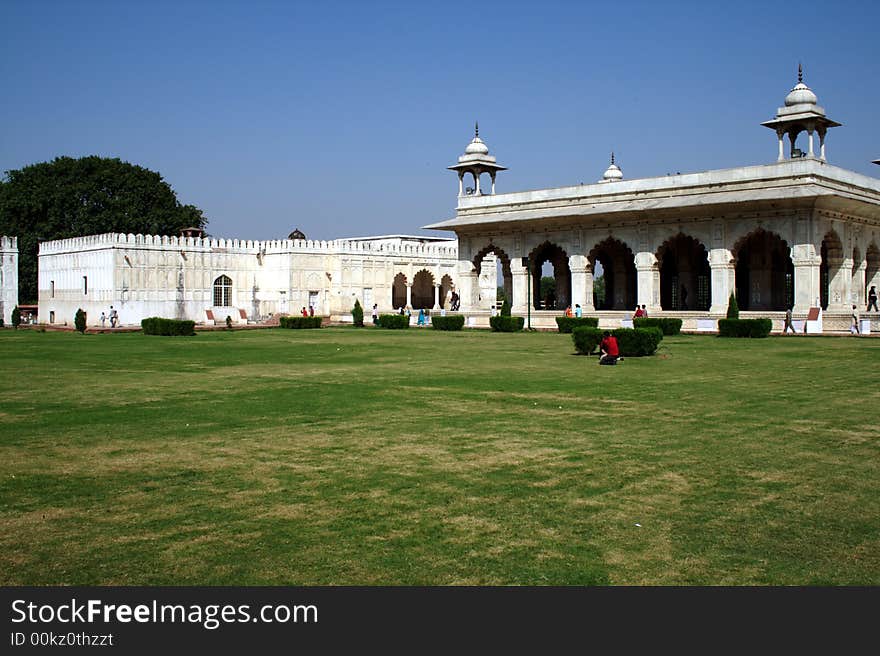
{"type": "Point", "coordinates": [800, 73]}
{"type": "Point", "coordinates": [612, 157]}
{"type": "Point", "coordinates": [476, 129]}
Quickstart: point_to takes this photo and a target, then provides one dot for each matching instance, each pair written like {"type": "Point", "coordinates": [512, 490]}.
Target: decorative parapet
{"type": "Point", "coordinates": [8, 243]}
{"type": "Point", "coordinates": [298, 246]}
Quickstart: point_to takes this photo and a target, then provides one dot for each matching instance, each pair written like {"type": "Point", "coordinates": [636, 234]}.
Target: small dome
{"type": "Point", "coordinates": [801, 95]}
{"type": "Point", "coordinates": [476, 147]}
{"type": "Point", "coordinates": [612, 173]}
{"type": "Point", "coordinates": [296, 234]}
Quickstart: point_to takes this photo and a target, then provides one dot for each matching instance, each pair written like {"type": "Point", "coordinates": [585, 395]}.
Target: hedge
{"type": "Point", "coordinates": [300, 322]}
{"type": "Point", "coordinates": [506, 324]}
{"type": "Point", "coordinates": [566, 324]}
{"type": "Point", "coordinates": [393, 321]}
{"type": "Point", "coordinates": [168, 327]}
{"type": "Point", "coordinates": [667, 325]}
{"type": "Point", "coordinates": [632, 342]}
{"type": "Point", "coordinates": [744, 327]}
{"type": "Point", "coordinates": [452, 322]}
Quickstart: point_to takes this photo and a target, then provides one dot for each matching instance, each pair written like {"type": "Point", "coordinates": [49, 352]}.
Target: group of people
{"type": "Point", "coordinates": [641, 311]}
{"type": "Point", "coordinates": [578, 312]}
{"type": "Point", "coordinates": [113, 317]}
{"type": "Point", "coordinates": [308, 313]}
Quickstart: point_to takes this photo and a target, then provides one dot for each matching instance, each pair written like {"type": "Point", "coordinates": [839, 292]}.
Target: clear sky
{"type": "Point", "coordinates": [340, 118]}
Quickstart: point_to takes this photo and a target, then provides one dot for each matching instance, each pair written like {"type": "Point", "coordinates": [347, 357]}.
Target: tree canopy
{"type": "Point", "coordinates": [70, 197]}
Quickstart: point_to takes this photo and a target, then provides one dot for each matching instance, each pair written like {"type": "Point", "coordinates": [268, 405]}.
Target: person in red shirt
{"type": "Point", "coordinates": [304, 312]}
{"type": "Point", "coordinates": [608, 349]}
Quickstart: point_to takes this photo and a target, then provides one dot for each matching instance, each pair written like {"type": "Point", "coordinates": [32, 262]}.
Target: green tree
{"type": "Point", "coordinates": [70, 197]}
{"type": "Point", "coordinates": [79, 320]}
{"type": "Point", "coordinates": [732, 308]}
{"type": "Point", "coordinates": [357, 314]}
{"type": "Point", "coordinates": [16, 317]}
{"type": "Point", "coordinates": [599, 292]}
{"type": "Point", "coordinates": [505, 308]}
{"type": "Point", "coordinates": [548, 291]}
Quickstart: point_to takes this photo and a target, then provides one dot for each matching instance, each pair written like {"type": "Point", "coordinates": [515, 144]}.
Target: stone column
{"type": "Point", "coordinates": [847, 282]}
{"type": "Point", "coordinates": [436, 297]}
{"type": "Point", "coordinates": [822, 132]}
{"type": "Point", "coordinates": [810, 142]}
{"type": "Point", "coordinates": [409, 294]}
{"type": "Point", "coordinates": [647, 281]}
{"type": "Point", "coordinates": [476, 184]}
{"type": "Point", "coordinates": [806, 277]}
{"type": "Point", "coordinates": [839, 283]}
{"type": "Point", "coordinates": [461, 183]}
{"type": "Point", "coordinates": [519, 303]}
{"type": "Point", "coordinates": [857, 288]}
{"type": "Point", "coordinates": [723, 279]}
{"type": "Point", "coordinates": [579, 265]}
{"type": "Point", "coordinates": [493, 182]}
{"type": "Point", "coordinates": [467, 286]}
{"type": "Point", "coordinates": [780, 134]}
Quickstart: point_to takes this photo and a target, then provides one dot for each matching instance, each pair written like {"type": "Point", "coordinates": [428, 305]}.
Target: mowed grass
{"type": "Point", "coordinates": [343, 456]}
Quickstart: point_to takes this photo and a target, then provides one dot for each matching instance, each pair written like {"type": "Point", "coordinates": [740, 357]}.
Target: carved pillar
{"type": "Point", "coordinates": [806, 277]}
{"type": "Point", "coordinates": [468, 286]}
{"type": "Point", "coordinates": [409, 294]}
{"type": "Point", "coordinates": [723, 279]}
{"type": "Point", "coordinates": [436, 297]}
{"type": "Point", "coordinates": [519, 303]}
{"type": "Point", "coordinates": [579, 267]}
{"type": "Point", "coordinates": [648, 281]}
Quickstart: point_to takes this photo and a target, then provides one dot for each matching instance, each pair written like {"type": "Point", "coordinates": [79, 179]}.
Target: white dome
{"type": "Point", "coordinates": [801, 95]}
{"type": "Point", "coordinates": [476, 147]}
{"type": "Point", "coordinates": [612, 173]}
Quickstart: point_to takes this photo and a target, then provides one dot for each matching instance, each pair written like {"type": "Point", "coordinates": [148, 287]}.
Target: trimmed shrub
{"type": "Point", "coordinates": [667, 325]}
{"type": "Point", "coordinates": [744, 327]}
{"type": "Point", "coordinates": [502, 324]}
{"type": "Point", "coordinates": [393, 321]}
{"type": "Point", "coordinates": [632, 342]}
{"type": "Point", "coordinates": [732, 308]}
{"type": "Point", "coordinates": [228, 322]}
{"type": "Point", "coordinates": [16, 317]}
{"type": "Point", "coordinates": [452, 322]}
{"type": "Point", "coordinates": [505, 308]}
{"type": "Point", "coordinates": [300, 322]}
{"type": "Point", "coordinates": [566, 324]}
{"type": "Point", "coordinates": [168, 327]}
{"type": "Point", "coordinates": [357, 314]}
{"type": "Point", "coordinates": [79, 320]}
{"type": "Point", "coordinates": [2, 323]}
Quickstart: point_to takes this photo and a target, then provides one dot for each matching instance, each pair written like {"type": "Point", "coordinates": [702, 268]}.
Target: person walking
{"type": "Point", "coordinates": [872, 299]}
{"type": "Point", "coordinates": [375, 314]}
{"type": "Point", "coordinates": [103, 319]}
{"type": "Point", "coordinates": [788, 323]}
{"type": "Point", "coordinates": [855, 329]}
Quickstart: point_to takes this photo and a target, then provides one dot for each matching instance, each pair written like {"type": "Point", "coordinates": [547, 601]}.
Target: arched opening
{"type": "Point", "coordinates": [446, 288]}
{"type": "Point", "coordinates": [872, 268]}
{"type": "Point", "coordinates": [484, 261]}
{"type": "Point", "coordinates": [618, 275]}
{"type": "Point", "coordinates": [223, 292]}
{"type": "Point", "coordinates": [684, 274]}
{"type": "Point", "coordinates": [764, 272]}
{"type": "Point", "coordinates": [423, 290]}
{"type": "Point", "coordinates": [830, 270]}
{"type": "Point", "coordinates": [398, 291]}
{"type": "Point", "coordinates": [559, 293]}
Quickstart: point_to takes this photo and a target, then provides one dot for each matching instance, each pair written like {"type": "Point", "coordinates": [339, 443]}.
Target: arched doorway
{"type": "Point", "coordinates": [446, 288]}
{"type": "Point", "coordinates": [872, 267]}
{"type": "Point", "coordinates": [764, 272]}
{"type": "Point", "coordinates": [618, 277]}
{"type": "Point", "coordinates": [423, 290]}
{"type": "Point", "coordinates": [559, 294]}
{"type": "Point", "coordinates": [501, 261]}
{"type": "Point", "coordinates": [398, 291]}
{"type": "Point", "coordinates": [830, 270]}
{"type": "Point", "coordinates": [685, 277]}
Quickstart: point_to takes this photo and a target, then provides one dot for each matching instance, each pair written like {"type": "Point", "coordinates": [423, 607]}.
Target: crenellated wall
{"type": "Point", "coordinates": [151, 275]}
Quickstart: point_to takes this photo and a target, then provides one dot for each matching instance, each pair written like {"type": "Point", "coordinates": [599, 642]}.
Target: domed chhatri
{"type": "Point", "coordinates": [801, 94]}
{"type": "Point", "coordinates": [296, 234]}
{"type": "Point", "coordinates": [476, 161]}
{"type": "Point", "coordinates": [612, 173]}
{"type": "Point", "coordinates": [801, 113]}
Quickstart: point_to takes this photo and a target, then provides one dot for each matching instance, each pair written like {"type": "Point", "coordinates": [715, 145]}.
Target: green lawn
{"type": "Point", "coordinates": [344, 456]}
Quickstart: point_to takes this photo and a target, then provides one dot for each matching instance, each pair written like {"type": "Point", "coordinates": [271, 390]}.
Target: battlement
{"type": "Point", "coordinates": [294, 246]}
{"type": "Point", "coordinates": [8, 243]}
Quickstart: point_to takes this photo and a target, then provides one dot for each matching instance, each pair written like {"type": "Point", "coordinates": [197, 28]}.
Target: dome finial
{"type": "Point", "coordinates": [476, 128]}
{"type": "Point", "coordinates": [612, 157]}
{"type": "Point", "coordinates": [800, 72]}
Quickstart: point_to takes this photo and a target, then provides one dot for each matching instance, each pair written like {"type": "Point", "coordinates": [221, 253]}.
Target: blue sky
{"type": "Point", "coordinates": [340, 118]}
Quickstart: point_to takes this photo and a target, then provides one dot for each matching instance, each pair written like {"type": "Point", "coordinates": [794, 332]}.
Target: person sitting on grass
{"type": "Point", "coordinates": [608, 351]}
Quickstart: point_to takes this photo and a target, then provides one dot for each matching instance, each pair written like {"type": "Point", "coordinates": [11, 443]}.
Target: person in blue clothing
{"type": "Point", "coordinates": [578, 312]}
{"type": "Point", "coordinates": [421, 317]}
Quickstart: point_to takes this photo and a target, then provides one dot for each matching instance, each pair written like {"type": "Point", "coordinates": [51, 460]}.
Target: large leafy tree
{"type": "Point", "coordinates": [91, 195]}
